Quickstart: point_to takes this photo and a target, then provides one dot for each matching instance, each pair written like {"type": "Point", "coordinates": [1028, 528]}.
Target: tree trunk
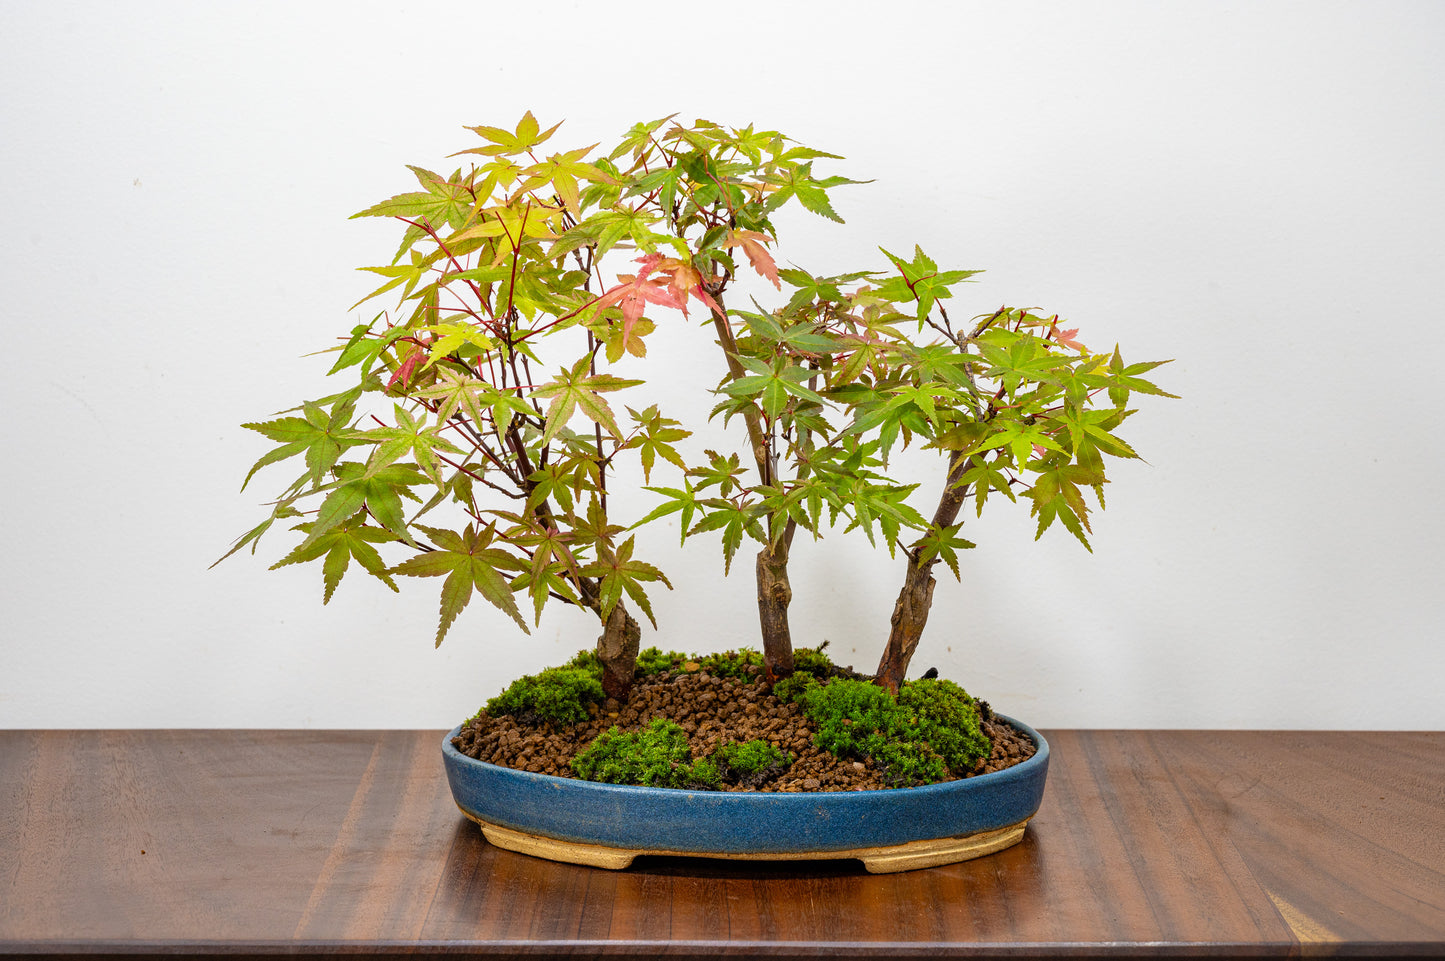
{"type": "Point", "coordinates": [617, 648]}
{"type": "Point", "coordinates": [910, 612]}
{"type": "Point", "coordinates": [775, 593]}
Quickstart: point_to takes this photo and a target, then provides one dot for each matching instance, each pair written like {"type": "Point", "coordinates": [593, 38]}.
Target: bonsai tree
{"type": "Point", "coordinates": [524, 279]}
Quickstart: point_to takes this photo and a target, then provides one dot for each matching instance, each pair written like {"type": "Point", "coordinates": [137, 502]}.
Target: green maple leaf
{"type": "Point", "coordinates": [619, 573]}
{"type": "Point", "coordinates": [409, 436]}
{"type": "Point", "coordinates": [1122, 379]}
{"type": "Point", "coordinates": [356, 489]}
{"type": "Point", "coordinates": [639, 139]}
{"type": "Point", "coordinates": [476, 399]}
{"type": "Point", "coordinates": [595, 530]}
{"type": "Point", "coordinates": [811, 193]}
{"type": "Point", "coordinates": [443, 201]}
{"type": "Point", "coordinates": [320, 435]}
{"type": "Point", "coordinates": [986, 476]}
{"type": "Point", "coordinates": [527, 135]}
{"type": "Point", "coordinates": [577, 389]}
{"type": "Point", "coordinates": [397, 274]}
{"type": "Point", "coordinates": [1056, 496]}
{"type": "Point", "coordinates": [943, 542]}
{"type": "Point", "coordinates": [451, 336]}
{"type": "Point", "coordinates": [772, 384]}
{"type": "Point", "coordinates": [1018, 437]}
{"type": "Point", "coordinates": [921, 280]}
{"type": "Point", "coordinates": [350, 539]}
{"type": "Point", "coordinates": [684, 500]}
{"type": "Point", "coordinates": [656, 439]}
{"type": "Point", "coordinates": [823, 290]}
{"type": "Point", "coordinates": [1015, 360]}
{"type": "Point", "coordinates": [363, 348]}
{"type": "Point", "coordinates": [559, 481]}
{"type": "Point", "coordinates": [469, 566]}
{"type": "Point", "coordinates": [1092, 427]}
{"type": "Point", "coordinates": [734, 521]}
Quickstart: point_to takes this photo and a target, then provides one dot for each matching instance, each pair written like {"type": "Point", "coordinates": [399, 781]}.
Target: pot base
{"type": "Point", "coordinates": [877, 860]}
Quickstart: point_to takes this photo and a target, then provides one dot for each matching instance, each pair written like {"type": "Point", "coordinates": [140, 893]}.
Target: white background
{"type": "Point", "coordinates": [1254, 189]}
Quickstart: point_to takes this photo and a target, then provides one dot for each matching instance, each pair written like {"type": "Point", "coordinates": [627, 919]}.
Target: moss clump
{"type": "Point", "coordinates": [731, 663]}
{"type": "Point", "coordinates": [812, 660]}
{"type": "Point", "coordinates": [751, 763]}
{"type": "Point", "coordinates": [790, 688]}
{"type": "Point", "coordinates": [656, 756]}
{"type": "Point", "coordinates": [929, 729]}
{"type": "Point", "coordinates": [587, 660]}
{"type": "Point", "coordinates": [558, 695]}
{"type": "Point", "coordinates": [949, 720]}
{"type": "Point", "coordinates": [654, 660]}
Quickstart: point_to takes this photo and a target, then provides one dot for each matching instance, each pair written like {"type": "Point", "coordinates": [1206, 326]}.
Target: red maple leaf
{"type": "Point", "coordinates": [407, 368]}
{"type": "Point", "coordinates": [635, 292]}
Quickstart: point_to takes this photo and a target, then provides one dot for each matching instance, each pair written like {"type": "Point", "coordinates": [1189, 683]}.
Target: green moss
{"type": "Point", "coordinates": [751, 762]}
{"type": "Point", "coordinates": [930, 728]}
{"type": "Point", "coordinates": [812, 660]}
{"type": "Point", "coordinates": [558, 695]}
{"type": "Point", "coordinates": [654, 660]}
{"type": "Point", "coordinates": [731, 663]}
{"type": "Point", "coordinates": [948, 719]}
{"type": "Point", "coordinates": [656, 756]}
{"type": "Point", "coordinates": [790, 688]}
{"type": "Point", "coordinates": [588, 661]}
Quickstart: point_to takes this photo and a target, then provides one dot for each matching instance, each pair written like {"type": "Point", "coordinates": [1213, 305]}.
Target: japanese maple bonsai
{"type": "Point", "coordinates": [526, 276]}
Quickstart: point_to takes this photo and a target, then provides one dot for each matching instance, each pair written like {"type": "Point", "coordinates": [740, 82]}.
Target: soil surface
{"type": "Point", "coordinates": [713, 711]}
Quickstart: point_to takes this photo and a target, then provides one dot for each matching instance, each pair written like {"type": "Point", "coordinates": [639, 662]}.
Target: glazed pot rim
{"type": "Point", "coordinates": [1023, 770]}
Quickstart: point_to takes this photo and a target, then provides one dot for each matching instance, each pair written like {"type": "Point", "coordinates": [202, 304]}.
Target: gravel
{"type": "Point", "coordinates": [712, 710]}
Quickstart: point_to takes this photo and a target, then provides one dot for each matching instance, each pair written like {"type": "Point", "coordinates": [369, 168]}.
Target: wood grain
{"type": "Point", "coordinates": [259, 843]}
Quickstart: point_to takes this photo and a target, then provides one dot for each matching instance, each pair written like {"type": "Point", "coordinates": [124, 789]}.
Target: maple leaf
{"type": "Point", "coordinates": [657, 437]}
{"type": "Point", "coordinates": [1064, 337]}
{"type": "Point", "coordinates": [618, 572]}
{"type": "Point", "coordinates": [378, 493]}
{"type": "Point", "coordinates": [339, 545]}
{"type": "Point", "coordinates": [469, 565]}
{"type": "Point", "coordinates": [407, 368]}
{"type": "Point", "coordinates": [576, 388]}
{"type": "Point", "coordinates": [409, 436]}
{"type": "Point", "coordinates": [752, 243]}
{"type": "Point", "coordinates": [634, 293]}
{"type": "Point", "coordinates": [318, 434]}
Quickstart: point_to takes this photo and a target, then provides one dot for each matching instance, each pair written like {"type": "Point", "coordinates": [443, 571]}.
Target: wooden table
{"type": "Point", "coordinates": [1149, 843]}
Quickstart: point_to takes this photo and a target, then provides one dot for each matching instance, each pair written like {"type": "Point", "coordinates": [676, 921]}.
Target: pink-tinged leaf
{"type": "Point", "coordinates": [703, 296]}
{"type": "Point", "coordinates": [684, 280]}
{"type": "Point", "coordinates": [752, 243]}
{"type": "Point", "coordinates": [1064, 337]}
{"type": "Point", "coordinates": [407, 368]}
{"type": "Point", "coordinates": [634, 293]}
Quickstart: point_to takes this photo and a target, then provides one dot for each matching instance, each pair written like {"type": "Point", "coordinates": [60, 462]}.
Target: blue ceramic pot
{"type": "Point", "coordinates": [607, 825]}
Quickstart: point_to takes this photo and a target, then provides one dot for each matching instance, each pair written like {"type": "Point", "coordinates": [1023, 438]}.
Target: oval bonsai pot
{"type": "Point", "coordinates": [608, 825]}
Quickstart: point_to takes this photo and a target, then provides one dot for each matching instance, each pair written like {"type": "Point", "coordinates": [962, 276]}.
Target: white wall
{"type": "Point", "coordinates": [1252, 188]}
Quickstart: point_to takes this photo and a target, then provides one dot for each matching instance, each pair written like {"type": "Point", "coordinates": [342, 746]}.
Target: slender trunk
{"type": "Point", "coordinates": [774, 591]}
{"type": "Point", "coordinates": [910, 612]}
{"type": "Point", "coordinates": [774, 595]}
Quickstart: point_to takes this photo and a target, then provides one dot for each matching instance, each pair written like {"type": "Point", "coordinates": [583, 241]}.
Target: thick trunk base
{"type": "Point", "coordinates": [910, 615]}
{"type": "Point", "coordinates": [617, 649]}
